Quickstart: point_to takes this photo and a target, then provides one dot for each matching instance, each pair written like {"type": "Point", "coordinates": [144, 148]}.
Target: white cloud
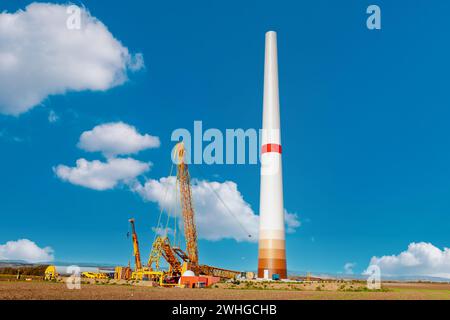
{"type": "Point", "coordinates": [99, 175]}
{"type": "Point", "coordinates": [40, 56]}
{"type": "Point", "coordinates": [348, 267]}
{"type": "Point", "coordinates": [292, 221]}
{"type": "Point", "coordinates": [116, 138]}
{"type": "Point", "coordinates": [420, 259]}
{"type": "Point", "coordinates": [25, 250]}
{"type": "Point", "coordinates": [213, 220]}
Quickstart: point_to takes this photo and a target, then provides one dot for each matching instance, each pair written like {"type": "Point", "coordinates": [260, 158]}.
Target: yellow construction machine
{"type": "Point", "coordinates": [94, 275]}
{"type": "Point", "coordinates": [179, 261]}
{"type": "Point", "coordinates": [142, 273]}
{"type": "Point", "coordinates": [50, 273]}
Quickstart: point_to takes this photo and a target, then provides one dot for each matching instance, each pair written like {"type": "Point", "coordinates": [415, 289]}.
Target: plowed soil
{"type": "Point", "coordinates": [53, 291]}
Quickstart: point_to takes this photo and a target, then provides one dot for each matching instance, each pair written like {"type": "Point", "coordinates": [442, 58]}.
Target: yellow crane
{"type": "Point", "coordinates": [140, 272]}
{"type": "Point", "coordinates": [178, 260]}
{"type": "Point", "coordinates": [136, 252]}
{"type": "Point", "coordinates": [162, 246]}
{"type": "Point", "coordinates": [187, 208]}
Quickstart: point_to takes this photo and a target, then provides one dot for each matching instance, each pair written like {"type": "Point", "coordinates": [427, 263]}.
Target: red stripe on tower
{"type": "Point", "coordinates": [271, 147]}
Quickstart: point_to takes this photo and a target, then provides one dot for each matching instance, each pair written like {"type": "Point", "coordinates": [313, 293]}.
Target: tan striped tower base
{"type": "Point", "coordinates": [272, 254]}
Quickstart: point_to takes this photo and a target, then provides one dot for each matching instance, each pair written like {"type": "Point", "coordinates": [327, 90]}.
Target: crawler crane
{"type": "Point", "coordinates": [173, 254]}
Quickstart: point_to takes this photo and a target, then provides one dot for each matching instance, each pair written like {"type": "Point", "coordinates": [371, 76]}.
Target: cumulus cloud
{"type": "Point", "coordinates": [420, 259]}
{"type": "Point", "coordinates": [116, 138]}
{"type": "Point", "coordinates": [100, 175]}
{"type": "Point", "coordinates": [25, 250]}
{"type": "Point", "coordinates": [214, 221]}
{"type": "Point", "coordinates": [40, 56]}
{"type": "Point", "coordinates": [292, 221]}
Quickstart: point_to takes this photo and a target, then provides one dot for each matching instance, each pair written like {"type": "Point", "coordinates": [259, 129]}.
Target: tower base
{"type": "Point", "coordinates": [269, 267]}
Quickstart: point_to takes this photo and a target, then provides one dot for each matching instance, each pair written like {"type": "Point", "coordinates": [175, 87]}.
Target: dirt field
{"type": "Point", "coordinates": [47, 290]}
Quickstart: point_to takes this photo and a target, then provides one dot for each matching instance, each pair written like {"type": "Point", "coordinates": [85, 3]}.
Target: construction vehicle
{"type": "Point", "coordinates": [178, 260]}
{"type": "Point", "coordinates": [141, 273]}
{"type": "Point", "coordinates": [187, 207]}
{"type": "Point", "coordinates": [172, 254]}
{"type": "Point", "coordinates": [136, 252]}
{"type": "Point", "coordinates": [94, 275]}
{"type": "Point", "coordinates": [54, 272]}
{"type": "Point", "coordinates": [190, 232]}
{"type": "Point", "coordinates": [162, 247]}
{"type": "Point", "coordinates": [122, 273]}
{"type": "Point", "coordinates": [50, 273]}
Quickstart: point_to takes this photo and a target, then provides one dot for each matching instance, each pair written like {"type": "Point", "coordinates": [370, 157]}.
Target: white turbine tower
{"type": "Point", "coordinates": [272, 248]}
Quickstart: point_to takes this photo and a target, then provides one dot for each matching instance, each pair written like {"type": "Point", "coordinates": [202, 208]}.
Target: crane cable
{"type": "Point", "coordinates": [175, 226]}
{"type": "Point", "coordinates": [162, 207]}
{"type": "Point", "coordinates": [171, 210]}
{"type": "Point", "coordinates": [215, 193]}
{"type": "Point", "coordinates": [223, 202]}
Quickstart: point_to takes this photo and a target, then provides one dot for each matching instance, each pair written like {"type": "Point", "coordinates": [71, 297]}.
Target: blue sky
{"type": "Point", "coordinates": [364, 117]}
